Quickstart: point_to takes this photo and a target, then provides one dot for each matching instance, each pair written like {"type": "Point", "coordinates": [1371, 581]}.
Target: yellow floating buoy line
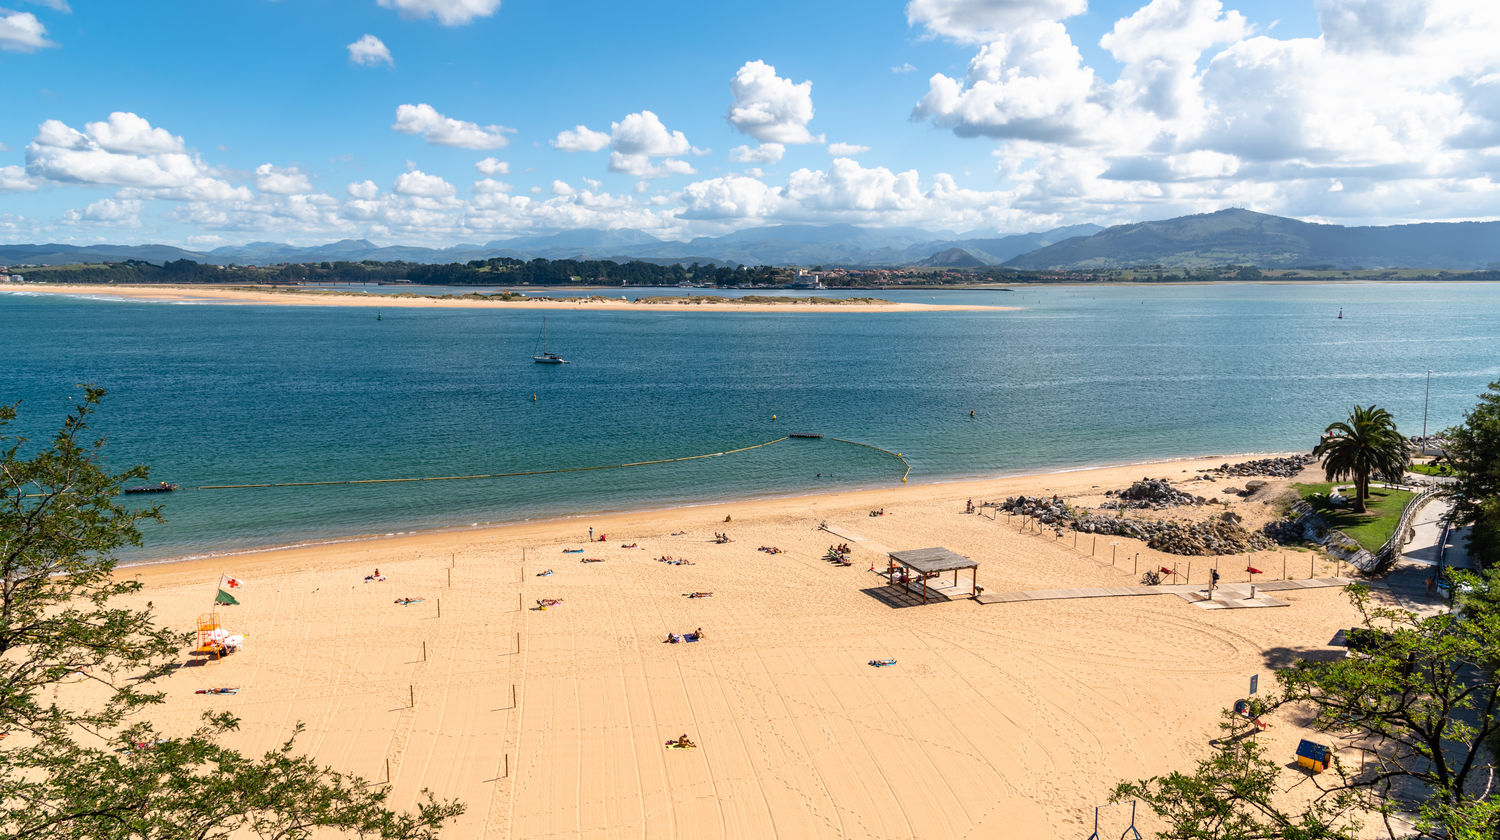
{"type": "Point", "coordinates": [896, 455]}
{"type": "Point", "coordinates": [479, 476]}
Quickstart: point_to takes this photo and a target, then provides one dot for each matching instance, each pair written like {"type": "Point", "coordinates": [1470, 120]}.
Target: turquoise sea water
{"type": "Point", "coordinates": [228, 394]}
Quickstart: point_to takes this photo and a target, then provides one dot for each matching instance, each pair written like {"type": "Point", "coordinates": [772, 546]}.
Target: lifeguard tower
{"type": "Point", "coordinates": [211, 635]}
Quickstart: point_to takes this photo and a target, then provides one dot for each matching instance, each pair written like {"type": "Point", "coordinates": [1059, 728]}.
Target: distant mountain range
{"type": "Point", "coordinates": [1228, 237]}
{"type": "Point", "coordinates": [1242, 237]}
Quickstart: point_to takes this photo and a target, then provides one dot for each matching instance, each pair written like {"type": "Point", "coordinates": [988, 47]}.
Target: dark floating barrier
{"type": "Point", "coordinates": [152, 488]}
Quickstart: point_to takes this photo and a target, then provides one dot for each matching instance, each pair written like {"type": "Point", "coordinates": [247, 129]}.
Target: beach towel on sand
{"type": "Point", "coordinates": [881, 663]}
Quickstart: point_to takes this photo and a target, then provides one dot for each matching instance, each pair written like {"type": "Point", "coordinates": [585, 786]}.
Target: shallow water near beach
{"type": "Point", "coordinates": [230, 394]}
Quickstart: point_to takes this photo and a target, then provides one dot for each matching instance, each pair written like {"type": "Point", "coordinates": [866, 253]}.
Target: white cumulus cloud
{"type": "Point", "coordinates": [979, 21]}
{"type": "Point", "coordinates": [14, 179]}
{"type": "Point", "coordinates": [126, 151]}
{"type": "Point", "coordinates": [22, 32]}
{"type": "Point", "coordinates": [643, 134]}
{"type": "Point", "coordinates": [446, 12]}
{"type": "Point", "coordinates": [369, 51]}
{"type": "Point", "coordinates": [641, 166]}
{"type": "Point", "coordinates": [108, 211]}
{"type": "Point", "coordinates": [769, 108]}
{"type": "Point", "coordinates": [846, 149]}
{"type": "Point", "coordinates": [1029, 83]}
{"type": "Point", "coordinates": [363, 190]}
{"type": "Point", "coordinates": [439, 130]}
{"type": "Point", "coordinates": [417, 182]}
{"type": "Point", "coordinates": [491, 166]}
{"type": "Point", "coordinates": [287, 181]}
{"type": "Point", "coordinates": [580, 138]}
{"type": "Point", "coordinates": [765, 153]}
{"type": "Point", "coordinates": [633, 141]}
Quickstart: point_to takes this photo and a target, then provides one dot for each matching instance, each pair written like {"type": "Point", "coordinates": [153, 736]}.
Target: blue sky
{"type": "Point", "coordinates": [445, 121]}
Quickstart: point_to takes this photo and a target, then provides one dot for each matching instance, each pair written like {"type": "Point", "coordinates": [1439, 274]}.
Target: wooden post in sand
{"type": "Point", "coordinates": [1093, 549]}
{"type": "Point", "coordinates": [424, 650]}
{"type": "Point", "coordinates": [1310, 558]}
{"type": "Point", "coordinates": [413, 693]}
{"type": "Point", "coordinates": [1135, 567]}
{"type": "Point", "coordinates": [518, 641]}
{"type": "Point", "coordinates": [1283, 565]}
{"type": "Point", "coordinates": [1190, 572]}
{"type": "Point", "coordinates": [387, 771]}
{"type": "Point", "coordinates": [518, 602]}
{"type": "Point", "coordinates": [512, 695]}
{"type": "Point", "coordinates": [450, 577]}
{"type": "Point", "coordinates": [440, 607]}
{"type": "Point", "coordinates": [507, 766]}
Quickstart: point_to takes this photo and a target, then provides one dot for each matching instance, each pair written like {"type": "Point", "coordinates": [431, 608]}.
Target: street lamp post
{"type": "Point", "coordinates": [1425, 395]}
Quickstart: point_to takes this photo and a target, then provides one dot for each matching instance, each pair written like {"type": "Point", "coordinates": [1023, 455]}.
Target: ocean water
{"type": "Point", "coordinates": [1079, 375]}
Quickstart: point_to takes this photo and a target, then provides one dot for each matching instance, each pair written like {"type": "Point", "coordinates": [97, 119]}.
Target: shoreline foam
{"type": "Point", "coordinates": [310, 541]}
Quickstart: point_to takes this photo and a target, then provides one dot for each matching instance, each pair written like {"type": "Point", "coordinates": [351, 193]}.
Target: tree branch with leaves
{"type": "Point", "coordinates": [101, 770]}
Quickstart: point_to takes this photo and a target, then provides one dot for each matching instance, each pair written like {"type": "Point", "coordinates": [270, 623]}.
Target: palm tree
{"type": "Point", "coordinates": [1367, 444]}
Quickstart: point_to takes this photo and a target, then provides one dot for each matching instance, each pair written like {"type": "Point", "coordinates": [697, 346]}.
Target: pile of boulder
{"type": "Point", "coordinates": [1284, 467]}
{"type": "Point", "coordinates": [1047, 510]}
{"type": "Point", "coordinates": [1220, 535]}
{"type": "Point", "coordinates": [1150, 494]}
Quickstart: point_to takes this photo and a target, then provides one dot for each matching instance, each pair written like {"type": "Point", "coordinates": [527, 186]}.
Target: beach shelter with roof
{"type": "Point", "coordinates": [931, 561]}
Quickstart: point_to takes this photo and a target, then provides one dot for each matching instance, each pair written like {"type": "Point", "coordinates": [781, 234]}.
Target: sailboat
{"type": "Point", "coordinates": [541, 356]}
{"type": "Point", "coordinates": [1341, 313]}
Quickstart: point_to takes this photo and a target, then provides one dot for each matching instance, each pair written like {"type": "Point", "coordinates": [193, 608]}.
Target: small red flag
{"type": "Point", "coordinates": [1254, 571]}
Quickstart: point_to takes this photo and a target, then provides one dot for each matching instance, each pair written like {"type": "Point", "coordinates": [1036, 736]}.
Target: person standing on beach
{"type": "Point", "coordinates": [591, 533]}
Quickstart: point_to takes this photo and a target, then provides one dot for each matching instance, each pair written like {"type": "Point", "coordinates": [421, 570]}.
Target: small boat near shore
{"type": "Point", "coordinates": [163, 487]}
{"type": "Point", "coordinates": [541, 356]}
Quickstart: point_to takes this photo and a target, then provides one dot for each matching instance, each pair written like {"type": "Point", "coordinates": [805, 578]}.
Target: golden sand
{"type": "Point", "coordinates": [1003, 720]}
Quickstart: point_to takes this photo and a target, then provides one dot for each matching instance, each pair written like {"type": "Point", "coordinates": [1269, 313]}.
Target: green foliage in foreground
{"type": "Point", "coordinates": [1409, 718]}
{"type": "Point", "coordinates": [1474, 450]}
{"type": "Point", "coordinates": [1370, 529]}
{"type": "Point", "coordinates": [102, 771]}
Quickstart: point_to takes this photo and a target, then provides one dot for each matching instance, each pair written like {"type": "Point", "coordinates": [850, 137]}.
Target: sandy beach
{"type": "Point", "coordinates": [997, 720]}
{"type": "Point", "coordinates": [394, 300]}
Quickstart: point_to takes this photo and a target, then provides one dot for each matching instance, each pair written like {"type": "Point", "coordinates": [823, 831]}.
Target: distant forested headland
{"type": "Point", "coordinates": [507, 271]}
{"type": "Point", "coordinates": [500, 271]}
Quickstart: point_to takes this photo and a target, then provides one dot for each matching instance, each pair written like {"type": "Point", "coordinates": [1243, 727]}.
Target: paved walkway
{"type": "Point", "coordinates": [1409, 575]}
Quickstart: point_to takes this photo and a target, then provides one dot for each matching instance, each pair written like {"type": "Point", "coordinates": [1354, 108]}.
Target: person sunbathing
{"type": "Point", "coordinates": [673, 638]}
{"type": "Point", "coordinates": [405, 601]}
{"type": "Point", "coordinates": [698, 634]}
{"type": "Point", "coordinates": [685, 742]}
{"type": "Point", "coordinates": [700, 594]}
{"type": "Point", "coordinates": [544, 573]}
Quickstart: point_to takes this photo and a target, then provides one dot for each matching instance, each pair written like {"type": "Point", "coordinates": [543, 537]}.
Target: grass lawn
{"type": "Point", "coordinates": [1370, 529]}
{"type": "Point", "coordinates": [1429, 469]}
